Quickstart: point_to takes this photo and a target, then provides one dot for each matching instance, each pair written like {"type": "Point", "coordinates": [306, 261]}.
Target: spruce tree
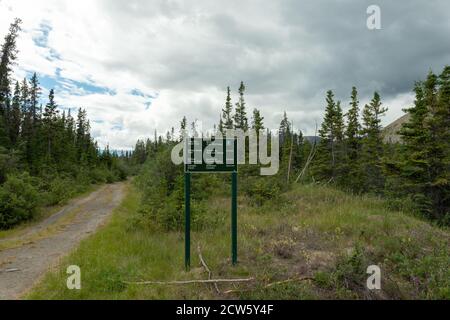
{"type": "Point", "coordinates": [285, 125]}
{"type": "Point", "coordinates": [26, 133]}
{"type": "Point", "coordinates": [227, 113]}
{"type": "Point", "coordinates": [353, 127]}
{"type": "Point", "coordinates": [183, 125]}
{"type": "Point", "coordinates": [423, 169]}
{"type": "Point", "coordinates": [257, 121]}
{"type": "Point", "coordinates": [323, 164]}
{"type": "Point", "coordinates": [339, 127]}
{"type": "Point", "coordinates": [372, 146]}
{"type": "Point", "coordinates": [328, 163]}
{"type": "Point", "coordinates": [340, 164]}
{"type": "Point", "coordinates": [81, 132]}
{"type": "Point", "coordinates": [285, 139]}
{"type": "Point", "coordinates": [148, 147]}
{"type": "Point", "coordinates": [155, 141]}
{"type": "Point", "coordinates": [34, 95]}
{"type": "Point", "coordinates": [441, 123]}
{"type": "Point", "coordinates": [49, 124]}
{"type": "Point", "coordinates": [69, 139]}
{"type": "Point", "coordinates": [24, 96]}
{"type": "Point", "coordinates": [353, 144]}
{"type": "Point", "coordinates": [8, 55]}
{"type": "Point", "coordinates": [15, 117]}
{"type": "Point", "coordinates": [298, 156]}
{"type": "Point", "coordinates": [240, 115]}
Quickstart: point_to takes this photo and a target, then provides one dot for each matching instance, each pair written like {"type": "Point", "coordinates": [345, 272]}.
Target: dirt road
{"type": "Point", "coordinates": [44, 244]}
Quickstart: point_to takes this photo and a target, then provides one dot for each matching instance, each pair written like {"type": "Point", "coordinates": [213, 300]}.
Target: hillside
{"type": "Point", "coordinates": [312, 242]}
{"type": "Point", "coordinates": [390, 132]}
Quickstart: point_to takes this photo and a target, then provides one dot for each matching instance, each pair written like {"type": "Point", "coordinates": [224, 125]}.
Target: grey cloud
{"type": "Point", "coordinates": [288, 56]}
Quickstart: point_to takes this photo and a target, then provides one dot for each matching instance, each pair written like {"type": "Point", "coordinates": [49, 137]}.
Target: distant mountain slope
{"type": "Point", "coordinates": [312, 139]}
{"type": "Point", "coordinates": [390, 133]}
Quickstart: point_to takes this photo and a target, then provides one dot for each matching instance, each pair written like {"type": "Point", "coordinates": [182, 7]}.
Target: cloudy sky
{"type": "Point", "coordinates": [137, 65]}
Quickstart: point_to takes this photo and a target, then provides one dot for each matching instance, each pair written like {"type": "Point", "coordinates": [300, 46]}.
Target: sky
{"type": "Point", "coordinates": [141, 65]}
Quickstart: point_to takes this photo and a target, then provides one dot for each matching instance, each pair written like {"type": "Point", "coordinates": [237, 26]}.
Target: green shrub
{"type": "Point", "coordinates": [203, 216]}
{"type": "Point", "coordinates": [429, 273]}
{"type": "Point", "coordinates": [203, 186]}
{"type": "Point", "coordinates": [169, 216]}
{"type": "Point", "coordinates": [121, 171]}
{"type": "Point", "coordinates": [347, 280]}
{"type": "Point", "coordinates": [18, 200]}
{"type": "Point", "coordinates": [98, 175]}
{"type": "Point", "coordinates": [110, 177]}
{"type": "Point", "coordinates": [83, 177]}
{"type": "Point", "coordinates": [261, 189]}
{"type": "Point", "coordinates": [55, 189]}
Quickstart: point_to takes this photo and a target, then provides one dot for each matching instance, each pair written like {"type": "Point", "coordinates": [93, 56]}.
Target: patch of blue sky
{"type": "Point", "coordinates": [117, 127]}
{"type": "Point", "coordinates": [148, 105]}
{"type": "Point", "coordinates": [48, 82]}
{"type": "Point", "coordinates": [137, 92]}
{"type": "Point", "coordinates": [149, 97]}
{"type": "Point", "coordinates": [59, 83]}
{"type": "Point", "coordinates": [83, 88]}
{"type": "Point", "coordinates": [41, 40]}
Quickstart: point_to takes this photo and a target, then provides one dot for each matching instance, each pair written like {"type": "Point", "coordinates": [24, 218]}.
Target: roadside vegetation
{"type": "Point", "coordinates": [313, 242]}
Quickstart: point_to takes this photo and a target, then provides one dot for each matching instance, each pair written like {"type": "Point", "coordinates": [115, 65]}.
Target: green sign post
{"type": "Point", "coordinates": [210, 156]}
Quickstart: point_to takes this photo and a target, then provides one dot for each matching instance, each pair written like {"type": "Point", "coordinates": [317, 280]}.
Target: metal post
{"type": "Point", "coordinates": [187, 221]}
{"type": "Point", "coordinates": [234, 218]}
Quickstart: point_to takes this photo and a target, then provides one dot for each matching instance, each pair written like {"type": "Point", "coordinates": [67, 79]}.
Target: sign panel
{"type": "Point", "coordinates": [210, 155]}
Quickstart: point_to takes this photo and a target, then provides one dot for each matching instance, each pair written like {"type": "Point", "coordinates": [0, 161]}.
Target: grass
{"type": "Point", "coordinates": [312, 243]}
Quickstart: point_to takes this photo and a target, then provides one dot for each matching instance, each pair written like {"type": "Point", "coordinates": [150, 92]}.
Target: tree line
{"type": "Point", "coordinates": [349, 152]}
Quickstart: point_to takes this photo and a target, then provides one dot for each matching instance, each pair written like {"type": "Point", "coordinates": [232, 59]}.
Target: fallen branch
{"type": "Point", "coordinates": [9, 270]}
{"type": "Point", "coordinates": [288, 280]}
{"type": "Point", "coordinates": [271, 284]}
{"type": "Point", "coordinates": [188, 281]}
{"type": "Point", "coordinates": [237, 290]}
{"type": "Point", "coordinates": [207, 268]}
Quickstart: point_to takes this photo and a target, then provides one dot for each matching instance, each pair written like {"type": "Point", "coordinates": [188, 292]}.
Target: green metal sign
{"type": "Point", "coordinates": [210, 156]}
